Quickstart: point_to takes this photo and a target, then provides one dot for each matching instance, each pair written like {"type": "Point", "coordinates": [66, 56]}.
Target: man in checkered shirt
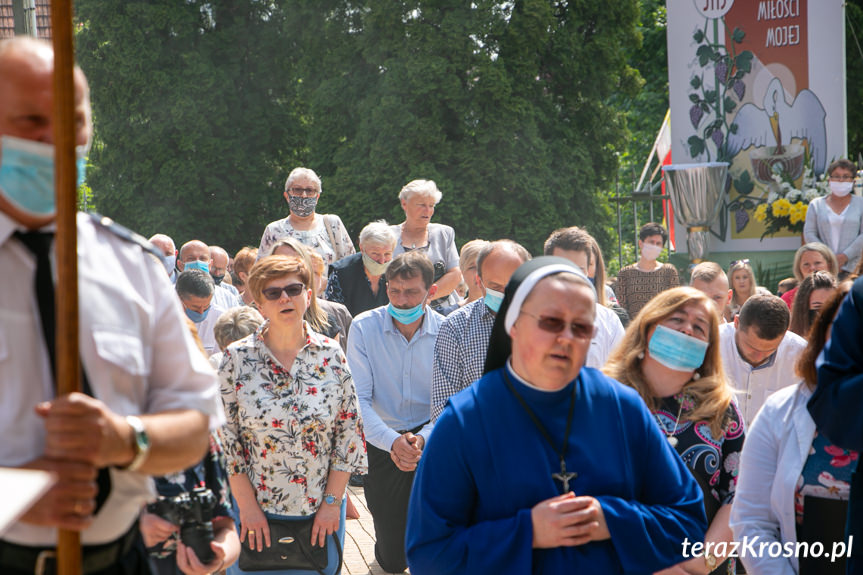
{"type": "Point", "coordinates": [462, 341]}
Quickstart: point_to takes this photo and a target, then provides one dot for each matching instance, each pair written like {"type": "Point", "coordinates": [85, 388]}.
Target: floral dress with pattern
{"type": "Point", "coordinates": [714, 462]}
{"type": "Point", "coordinates": [287, 428]}
{"type": "Point", "coordinates": [328, 228]}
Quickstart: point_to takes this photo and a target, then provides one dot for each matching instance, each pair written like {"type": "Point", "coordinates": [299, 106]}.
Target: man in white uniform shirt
{"type": "Point", "coordinates": [575, 244]}
{"type": "Point", "coordinates": [758, 352]}
{"type": "Point", "coordinates": [153, 393]}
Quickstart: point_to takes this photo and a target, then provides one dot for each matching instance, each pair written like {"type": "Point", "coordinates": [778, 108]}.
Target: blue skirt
{"type": "Point", "coordinates": [332, 552]}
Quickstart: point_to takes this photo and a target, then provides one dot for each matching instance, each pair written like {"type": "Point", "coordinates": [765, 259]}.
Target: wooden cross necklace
{"type": "Point", "coordinates": [564, 477]}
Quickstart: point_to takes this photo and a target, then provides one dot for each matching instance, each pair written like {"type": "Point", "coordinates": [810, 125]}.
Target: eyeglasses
{"type": "Point", "coordinates": [841, 178]}
{"type": "Point", "coordinates": [735, 262]}
{"type": "Point", "coordinates": [557, 325]}
{"type": "Point", "coordinates": [303, 192]}
{"type": "Point", "coordinates": [291, 290]}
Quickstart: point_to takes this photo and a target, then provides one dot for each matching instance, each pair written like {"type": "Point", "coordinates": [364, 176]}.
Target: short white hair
{"type": "Point", "coordinates": [421, 188]}
{"type": "Point", "coordinates": [378, 233]}
{"type": "Point", "coordinates": [305, 173]}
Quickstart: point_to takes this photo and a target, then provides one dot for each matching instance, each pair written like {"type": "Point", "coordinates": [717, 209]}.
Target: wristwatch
{"type": "Point", "coordinates": [141, 443]}
{"type": "Point", "coordinates": [710, 560]}
{"type": "Point", "coordinates": [330, 499]}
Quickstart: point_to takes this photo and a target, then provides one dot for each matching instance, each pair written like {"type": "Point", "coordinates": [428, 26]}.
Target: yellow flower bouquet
{"type": "Point", "coordinates": [785, 206]}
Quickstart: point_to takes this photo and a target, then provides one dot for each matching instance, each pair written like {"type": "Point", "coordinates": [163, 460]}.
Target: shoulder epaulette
{"type": "Point", "coordinates": [125, 233]}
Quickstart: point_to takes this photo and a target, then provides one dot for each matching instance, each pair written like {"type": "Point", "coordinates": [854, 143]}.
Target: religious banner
{"type": "Point", "coordinates": [759, 84]}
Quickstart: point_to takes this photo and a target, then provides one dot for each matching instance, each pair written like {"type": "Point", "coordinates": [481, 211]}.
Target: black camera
{"type": "Point", "coordinates": [193, 514]}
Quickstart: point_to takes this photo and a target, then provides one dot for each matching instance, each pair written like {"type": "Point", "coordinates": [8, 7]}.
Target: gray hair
{"type": "Point", "coordinates": [155, 239]}
{"type": "Point", "coordinates": [378, 233]}
{"type": "Point", "coordinates": [196, 283]}
{"type": "Point", "coordinates": [306, 173]}
{"type": "Point", "coordinates": [235, 324]}
{"type": "Point", "coordinates": [420, 188]}
{"type": "Point", "coordinates": [510, 245]}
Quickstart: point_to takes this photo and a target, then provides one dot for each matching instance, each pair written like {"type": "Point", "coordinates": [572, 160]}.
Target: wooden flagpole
{"type": "Point", "coordinates": [69, 559]}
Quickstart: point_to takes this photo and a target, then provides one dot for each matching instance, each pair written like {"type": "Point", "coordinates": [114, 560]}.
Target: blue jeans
{"type": "Point", "coordinates": [332, 553]}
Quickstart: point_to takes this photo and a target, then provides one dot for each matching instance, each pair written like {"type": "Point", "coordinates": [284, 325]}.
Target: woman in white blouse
{"type": "Point", "coordinates": [294, 434]}
{"type": "Point", "coordinates": [836, 220]}
{"type": "Point", "coordinates": [785, 463]}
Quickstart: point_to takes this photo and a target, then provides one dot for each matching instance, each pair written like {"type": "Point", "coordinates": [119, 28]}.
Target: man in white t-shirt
{"type": "Point", "coordinates": [758, 352]}
{"type": "Point", "coordinates": [575, 244]}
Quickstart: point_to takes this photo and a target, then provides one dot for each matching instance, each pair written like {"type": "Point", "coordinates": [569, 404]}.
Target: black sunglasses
{"type": "Point", "coordinates": [291, 290]}
{"type": "Point", "coordinates": [735, 262]}
{"type": "Point", "coordinates": [557, 325]}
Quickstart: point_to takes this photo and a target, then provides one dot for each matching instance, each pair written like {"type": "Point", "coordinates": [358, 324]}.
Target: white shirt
{"type": "Point", "coordinates": [226, 296]}
{"type": "Point", "coordinates": [777, 445]}
{"type": "Point", "coordinates": [138, 353]}
{"type": "Point", "coordinates": [609, 332]}
{"type": "Point", "coordinates": [835, 220]}
{"type": "Point", "coordinates": [756, 383]}
{"type": "Point", "coordinates": [205, 328]}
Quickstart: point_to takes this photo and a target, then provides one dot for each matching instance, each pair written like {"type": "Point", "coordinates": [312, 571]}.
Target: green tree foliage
{"type": "Point", "coordinates": [203, 107]}
{"type": "Point", "coordinates": [854, 76]}
{"type": "Point", "coordinates": [192, 123]}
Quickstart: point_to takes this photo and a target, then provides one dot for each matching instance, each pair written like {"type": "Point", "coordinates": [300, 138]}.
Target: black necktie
{"type": "Point", "coordinates": [40, 244]}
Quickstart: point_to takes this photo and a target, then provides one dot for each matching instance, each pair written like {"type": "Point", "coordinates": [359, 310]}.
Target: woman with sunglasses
{"type": "Point", "coordinates": [294, 433]}
{"type": "Point", "coordinates": [836, 219]}
{"type": "Point", "coordinates": [543, 465]}
{"type": "Point", "coordinates": [671, 356]}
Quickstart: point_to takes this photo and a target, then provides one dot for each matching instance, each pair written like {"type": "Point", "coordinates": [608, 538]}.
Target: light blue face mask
{"type": "Point", "coordinates": [169, 262]}
{"type": "Point", "coordinates": [676, 350]}
{"type": "Point", "coordinates": [493, 299]}
{"type": "Point", "coordinates": [196, 316]}
{"type": "Point", "coordinates": [406, 316]}
{"type": "Point", "coordinates": [196, 265]}
{"type": "Point", "coordinates": [27, 174]}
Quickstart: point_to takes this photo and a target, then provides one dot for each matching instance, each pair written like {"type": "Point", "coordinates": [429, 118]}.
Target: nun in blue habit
{"type": "Point", "coordinates": [546, 466]}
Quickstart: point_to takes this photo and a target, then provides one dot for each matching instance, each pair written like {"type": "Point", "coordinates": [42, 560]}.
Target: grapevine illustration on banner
{"type": "Point", "coordinates": [750, 106]}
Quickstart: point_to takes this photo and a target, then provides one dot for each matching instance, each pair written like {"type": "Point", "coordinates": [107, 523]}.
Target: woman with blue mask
{"type": "Point", "coordinates": [670, 355]}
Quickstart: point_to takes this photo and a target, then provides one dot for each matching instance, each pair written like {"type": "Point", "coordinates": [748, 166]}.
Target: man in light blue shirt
{"type": "Point", "coordinates": [390, 352]}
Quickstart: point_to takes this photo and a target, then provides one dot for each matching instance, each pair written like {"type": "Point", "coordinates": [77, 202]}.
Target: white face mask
{"type": "Point", "coordinates": [650, 252]}
{"type": "Point", "coordinates": [841, 189]}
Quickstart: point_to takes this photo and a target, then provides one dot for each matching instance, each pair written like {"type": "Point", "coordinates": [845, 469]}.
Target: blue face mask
{"type": "Point", "coordinates": [196, 316]}
{"type": "Point", "coordinates": [676, 350]}
{"type": "Point", "coordinates": [27, 174]}
{"type": "Point", "coordinates": [493, 299]}
{"type": "Point", "coordinates": [197, 265]}
{"type": "Point", "coordinates": [406, 316]}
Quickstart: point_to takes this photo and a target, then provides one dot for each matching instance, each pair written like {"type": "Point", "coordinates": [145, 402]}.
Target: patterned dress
{"type": "Point", "coordinates": [634, 288]}
{"type": "Point", "coordinates": [714, 462]}
{"type": "Point", "coordinates": [328, 237]}
{"type": "Point", "coordinates": [287, 428]}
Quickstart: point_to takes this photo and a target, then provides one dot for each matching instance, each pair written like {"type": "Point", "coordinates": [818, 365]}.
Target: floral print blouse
{"type": "Point", "coordinates": [327, 231]}
{"type": "Point", "coordinates": [827, 473]}
{"type": "Point", "coordinates": [287, 428]}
